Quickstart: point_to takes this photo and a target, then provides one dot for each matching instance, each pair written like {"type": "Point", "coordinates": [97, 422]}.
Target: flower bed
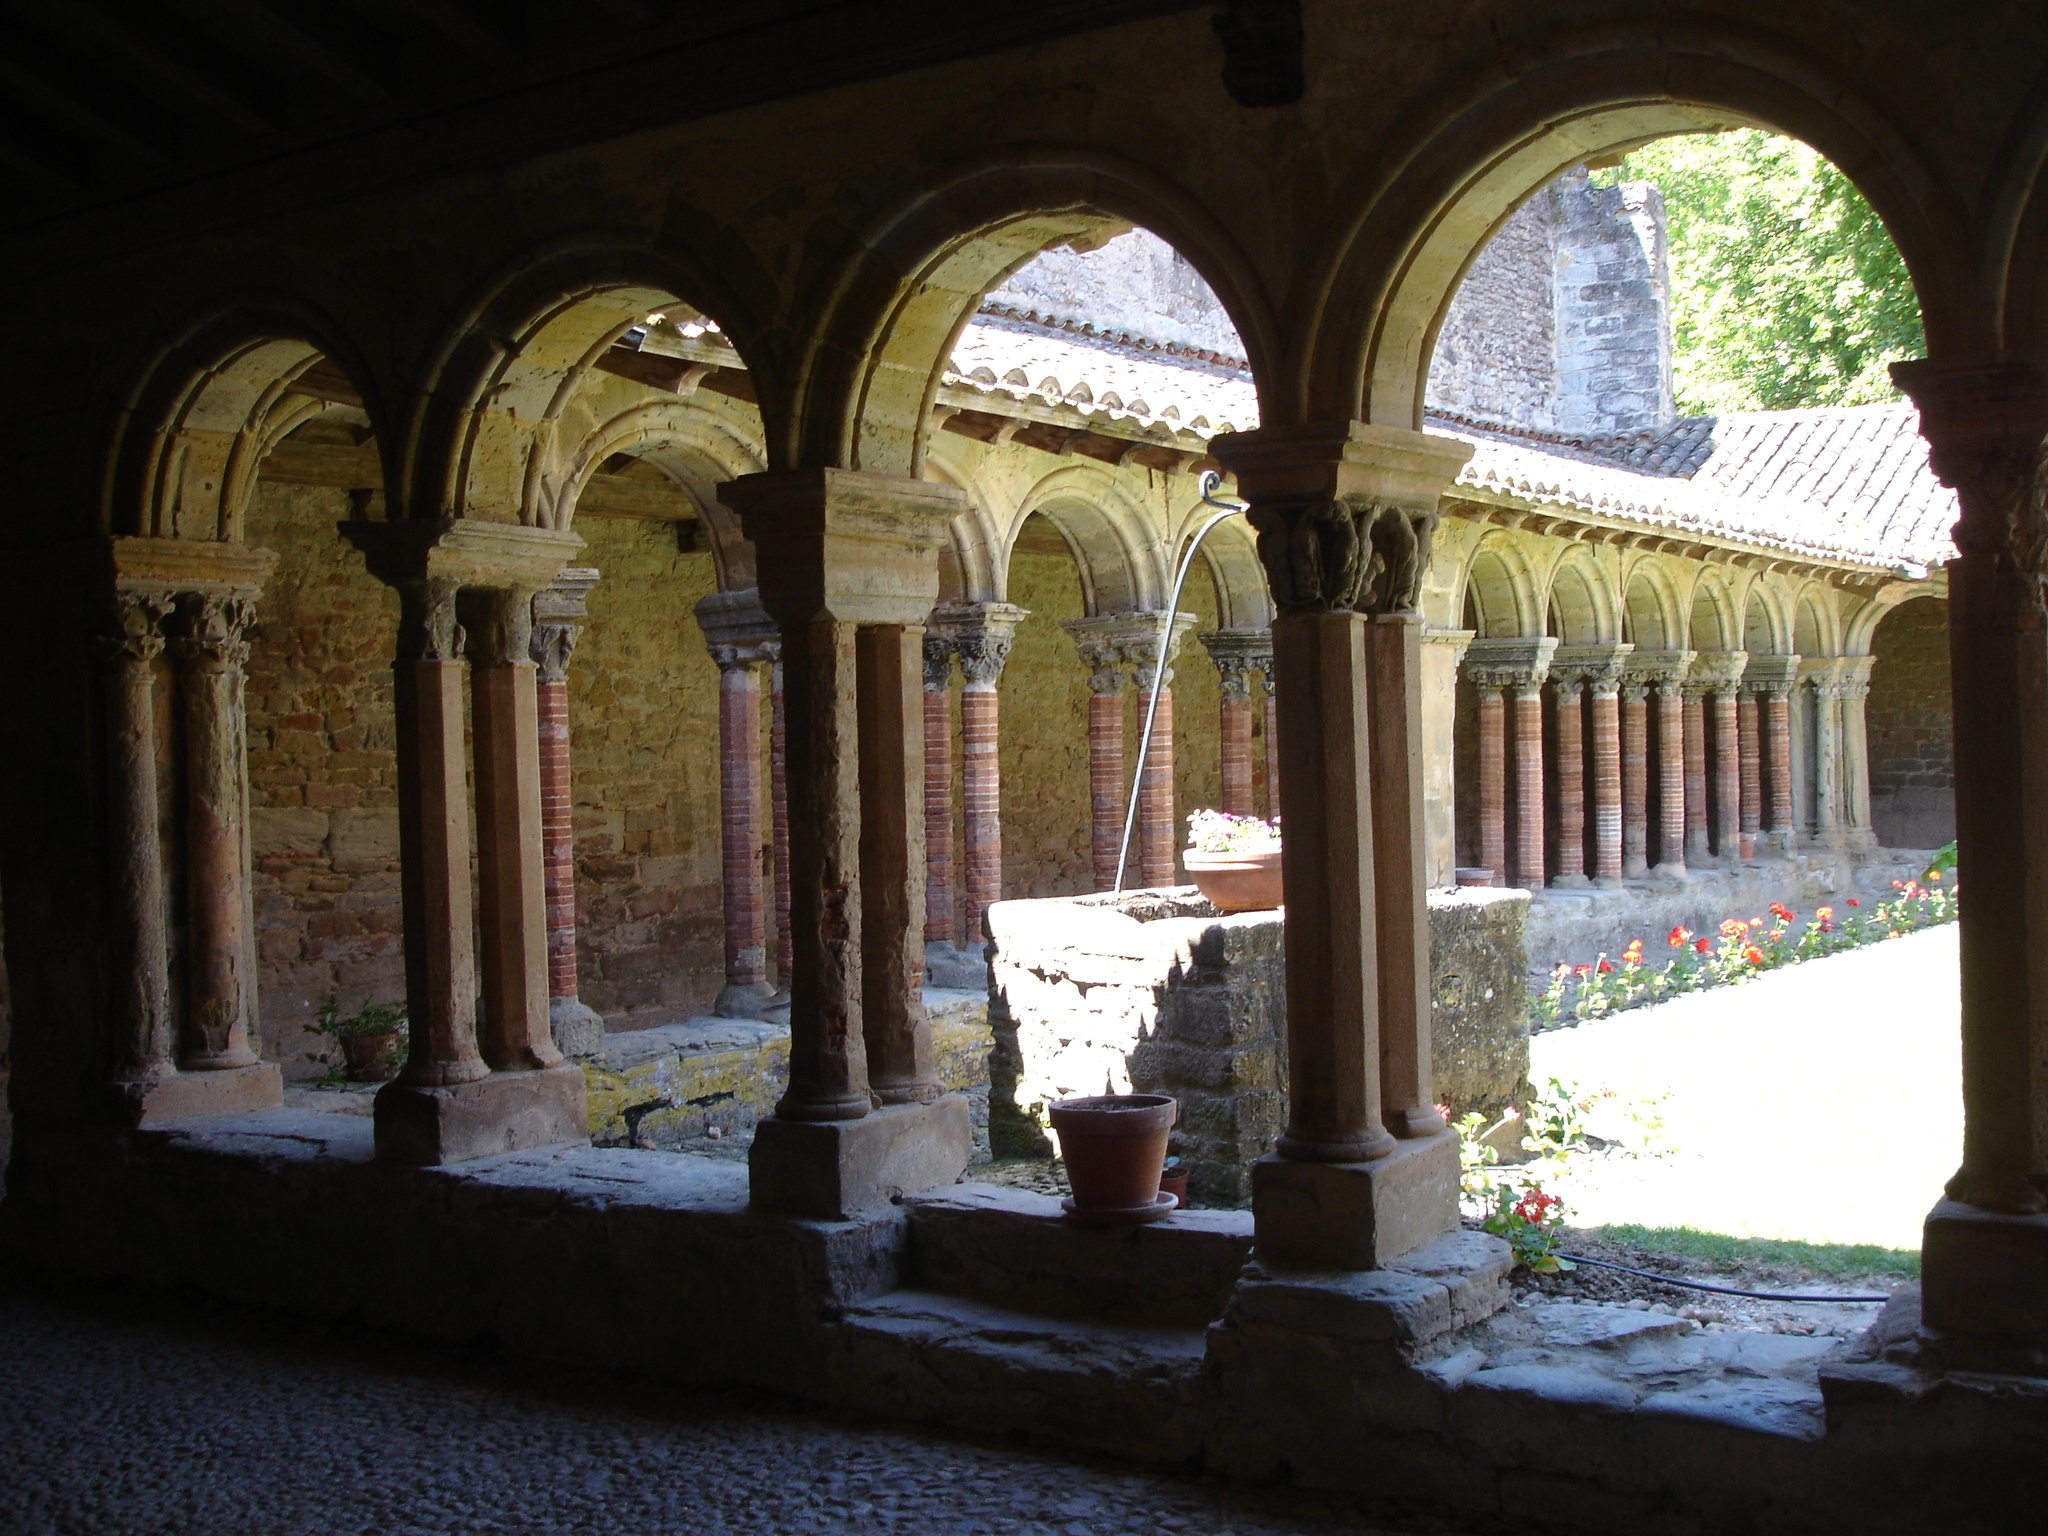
{"type": "Point", "coordinates": [1741, 949]}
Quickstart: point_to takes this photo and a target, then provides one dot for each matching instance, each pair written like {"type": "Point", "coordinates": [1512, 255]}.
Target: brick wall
{"type": "Point", "coordinates": [643, 742]}
{"type": "Point", "coordinates": [322, 773]}
{"type": "Point", "coordinates": [1912, 761]}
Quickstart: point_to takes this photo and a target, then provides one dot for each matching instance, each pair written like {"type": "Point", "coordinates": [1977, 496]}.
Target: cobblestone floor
{"type": "Point", "coordinates": [129, 1412]}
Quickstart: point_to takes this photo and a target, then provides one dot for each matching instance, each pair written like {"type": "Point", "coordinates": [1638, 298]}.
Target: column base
{"type": "Point", "coordinates": [1354, 1215]}
{"type": "Point", "coordinates": [504, 1112]}
{"type": "Point", "coordinates": [1669, 874]}
{"type": "Point", "coordinates": [833, 1168]}
{"type": "Point", "coordinates": [950, 966]}
{"type": "Point", "coordinates": [1984, 1288]}
{"type": "Point", "coordinates": [578, 1028]}
{"type": "Point", "coordinates": [743, 1000]}
{"type": "Point", "coordinates": [181, 1095]}
{"type": "Point", "coordinates": [1570, 883]}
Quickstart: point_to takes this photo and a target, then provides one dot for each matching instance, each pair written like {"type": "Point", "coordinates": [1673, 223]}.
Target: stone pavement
{"type": "Point", "coordinates": [132, 1412]}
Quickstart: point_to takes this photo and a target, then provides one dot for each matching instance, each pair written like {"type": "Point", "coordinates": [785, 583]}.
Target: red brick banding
{"type": "Point", "coordinates": [1493, 784]}
{"type": "Point", "coordinates": [1635, 779]}
{"type": "Point", "coordinates": [557, 834]}
{"type": "Point", "coordinates": [739, 791]}
{"type": "Point", "coordinates": [981, 793]}
{"type": "Point", "coordinates": [1529, 786]}
{"type": "Point", "coordinates": [1105, 783]}
{"type": "Point", "coordinates": [1749, 750]}
{"type": "Point", "coordinates": [1778, 726]}
{"type": "Point", "coordinates": [1157, 839]}
{"type": "Point", "coordinates": [778, 799]}
{"type": "Point", "coordinates": [1671, 779]}
{"type": "Point", "coordinates": [938, 794]}
{"type": "Point", "coordinates": [1727, 776]}
{"type": "Point", "coordinates": [1571, 785]}
{"type": "Point", "coordinates": [1695, 731]}
{"type": "Point", "coordinates": [1606, 777]}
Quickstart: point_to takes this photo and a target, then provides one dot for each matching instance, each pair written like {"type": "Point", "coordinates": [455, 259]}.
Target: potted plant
{"type": "Point", "coordinates": [1114, 1145]}
{"type": "Point", "coordinates": [1235, 860]}
{"type": "Point", "coordinates": [372, 1039]}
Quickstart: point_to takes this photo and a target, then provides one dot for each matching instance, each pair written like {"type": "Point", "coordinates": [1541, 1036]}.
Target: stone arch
{"type": "Point", "coordinates": [1579, 606]}
{"type": "Point", "coordinates": [1815, 631]}
{"type": "Point", "coordinates": [976, 541]}
{"type": "Point", "coordinates": [2017, 251]}
{"type": "Point", "coordinates": [1713, 621]}
{"type": "Point", "coordinates": [486, 439]}
{"type": "Point", "coordinates": [192, 436]}
{"type": "Point", "coordinates": [1651, 617]}
{"type": "Point", "coordinates": [893, 316]}
{"type": "Point", "coordinates": [1232, 555]}
{"type": "Point", "coordinates": [1398, 245]}
{"type": "Point", "coordinates": [1498, 592]}
{"type": "Point", "coordinates": [695, 451]}
{"type": "Point", "coordinates": [1119, 553]}
{"type": "Point", "coordinates": [1766, 621]}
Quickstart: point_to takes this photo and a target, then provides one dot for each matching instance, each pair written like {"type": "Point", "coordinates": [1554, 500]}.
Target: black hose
{"type": "Point", "coordinates": [1718, 1290]}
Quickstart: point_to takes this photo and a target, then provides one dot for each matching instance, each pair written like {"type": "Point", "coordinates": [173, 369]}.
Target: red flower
{"type": "Point", "coordinates": [1753, 955]}
{"type": "Point", "coordinates": [1782, 913]}
{"type": "Point", "coordinates": [1582, 971]}
{"type": "Point", "coordinates": [1700, 945]}
{"type": "Point", "coordinates": [1605, 968]}
{"type": "Point", "coordinates": [1854, 902]}
{"type": "Point", "coordinates": [1678, 938]}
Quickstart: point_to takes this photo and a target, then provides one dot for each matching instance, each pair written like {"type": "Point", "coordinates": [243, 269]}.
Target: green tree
{"type": "Point", "coordinates": [1786, 290]}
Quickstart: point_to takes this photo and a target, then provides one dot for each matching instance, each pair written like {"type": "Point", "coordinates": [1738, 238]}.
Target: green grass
{"type": "Point", "coordinates": [1719, 1251]}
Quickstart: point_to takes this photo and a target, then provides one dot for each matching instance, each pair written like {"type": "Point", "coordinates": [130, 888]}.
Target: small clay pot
{"type": "Point", "coordinates": [1236, 882]}
{"type": "Point", "coordinates": [1115, 1148]}
{"type": "Point", "coordinates": [370, 1058]}
{"type": "Point", "coordinates": [1175, 1184]}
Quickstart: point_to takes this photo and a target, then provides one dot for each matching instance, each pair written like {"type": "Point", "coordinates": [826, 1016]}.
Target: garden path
{"type": "Point", "coordinates": [1822, 1101]}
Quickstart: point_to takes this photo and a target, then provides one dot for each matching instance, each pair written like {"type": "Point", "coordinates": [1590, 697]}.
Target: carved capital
{"type": "Point", "coordinates": [1715, 672]}
{"type": "Point", "coordinates": [1634, 690]}
{"type": "Point", "coordinates": [131, 632]}
{"type": "Point", "coordinates": [1401, 542]}
{"type": "Point", "coordinates": [559, 612]}
{"type": "Point", "coordinates": [428, 629]}
{"type": "Point", "coordinates": [1597, 667]}
{"type": "Point", "coordinates": [215, 635]}
{"type": "Point", "coordinates": [1509, 663]}
{"type": "Point", "coordinates": [1770, 677]}
{"type": "Point", "coordinates": [980, 635]}
{"type": "Point", "coordinates": [498, 625]}
{"type": "Point", "coordinates": [1238, 653]}
{"type": "Point", "coordinates": [553, 643]}
{"type": "Point", "coordinates": [938, 663]}
{"type": "Point", "coordinates": [1315, 553]}
{"type": "Point", "coordinates": [982, 657]}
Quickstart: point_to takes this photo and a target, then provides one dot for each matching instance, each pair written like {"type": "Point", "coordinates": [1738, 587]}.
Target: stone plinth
{"type": "Point", "coordinates": [504, 1112]}
{"type": "Point", "coordinates": [1984, 1288]}
{"type": "Point", "coordinates": [1355, 1216]}
{"type": "Point", "coordinates": [1153, 992]}
{"type": "Point", "coordinates": [184, 1095]}
{"type": "Point", "coordinates": [834, 1168]}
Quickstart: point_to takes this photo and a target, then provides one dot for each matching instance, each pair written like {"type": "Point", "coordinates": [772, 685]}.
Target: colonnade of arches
{"type": "Point", "coordinates": [485, 418]}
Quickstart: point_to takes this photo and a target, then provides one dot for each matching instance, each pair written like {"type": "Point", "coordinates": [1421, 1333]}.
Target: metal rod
{"type": "Point", "coordinates": [1210, 480]}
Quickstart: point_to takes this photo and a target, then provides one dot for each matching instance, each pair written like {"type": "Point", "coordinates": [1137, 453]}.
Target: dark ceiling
{"type": "Point", "coordinates": [131, 122]}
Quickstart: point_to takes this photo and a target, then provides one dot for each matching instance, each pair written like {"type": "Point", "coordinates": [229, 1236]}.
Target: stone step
{"type": "Point", "coordinates": [1127, 1387]}
{"type": "Point", "coordinates": [1018, 1249]}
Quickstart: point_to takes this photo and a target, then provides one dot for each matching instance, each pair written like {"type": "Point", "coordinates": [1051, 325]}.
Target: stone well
{"type": "Point", "coordinates": [1154, 991]}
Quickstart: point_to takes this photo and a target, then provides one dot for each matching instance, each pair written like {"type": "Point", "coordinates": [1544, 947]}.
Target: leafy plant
{"type": "Point", "coordinates": [370, 1019]}
{"type": "Point", "coordinates": [1221, 832]}
{"type": "Point", "coordinates": [1532, 1222]}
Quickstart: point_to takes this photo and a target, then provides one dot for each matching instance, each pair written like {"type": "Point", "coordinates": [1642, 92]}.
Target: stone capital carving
{"type": "Point", "coordinates": [982, 658]}
{"type": "Point", "coordinates": [1662, 670]}
{"type": "Point", "coordinates": [1139, 645]}
{"type": "Point", "coordinates": [498, 626]}
{"type": "Point", "coordinates": [737, 630]}
{"type": "Point", "coordinates": [1402, 542]}
{"type": "Point", "coordinates": [1634, 690]}
{"type": "Point", "coordinates": [559, 612]}
{"type": "Point", "coordinates": [428, 629]}
{"type": "Point", "coordinates": [1316, 553]}
{"type": "Point", "coordinates": [130, 632]}
{"type": "Point", "coordinates": [1095, 640]}
{"type": "Point", "coordinates": [215, 635]}
{"type": "Point", "coordinates": [844, 544]}
{"type": "Point", "coordinates": [1596, 667]}
{"type": "Point", "coordinates": [1714, 672]}
{"type": "Point", "coordinates": [1509, 663]}
{"type": "Point", "coordinates": [1237, 655]}
{"type": "Point", "coordinates": [938, 663]}
{"type": "Point", "coordinates": [980, 634]}
{"type": "Point", "coordinates": [1770, 676]}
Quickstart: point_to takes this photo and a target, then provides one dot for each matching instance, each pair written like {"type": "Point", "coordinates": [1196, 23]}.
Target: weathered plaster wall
{"type": "Point", "coordinates": [1912, 754]}
{"type": "Point", "coordinates": [322, 774]}
{"type": "Point", "coordinates": [643, 743]}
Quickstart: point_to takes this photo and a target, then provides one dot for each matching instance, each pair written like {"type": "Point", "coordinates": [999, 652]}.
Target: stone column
{"type": "Point", "coordinates": [1236, 655]}
{"type": "Point", "coordinates": [1272, 734]}
{"type": "Point", "coordinates": [778, 808]}
{"type": "Point", "coordinates": [1599, 669]}
{"type": "Point", "coordinates": [138, 986]}
{"type": "Point", "coordinates": [1817, 677]}
{"type": "Point", "coordinates": [981, 635]}
{"type": "Point", "coordinates": [849, 571]}
{"type": "Point", "coordinates": [461, 1095]}
{"type": "Point", "coordinates": [1570, 866]}
{"type": "Point", "coordinates": [1853, 681]}
{"type": "Point", "coordinates": [1635, 778]}
{"type": "Point", "coordinates": [559, 612]}
{"type": "Point", "coordinates": [1158, 826]}
{"type": "Point", "coordinates": [938, 795]}
{"type": "Point", "coordinates": [1663, 672]}
{"type": "Point", "coordinates": [1768, 680]}
{"type": "Point", "coordinates": [212, 652]}
{"type": "Point", "coordinates": [743, 642]}
{"type": "Point", "coordinates": [1099, 652]}
{"type": "Point", "coordinates": [1750, 751]}
{"type": "Point", "coordinates": [1443, 652]}
{"type": "Point", "coordinates": [1337, 1194]}
{"type": "Point", "coordinates": [1985, 1253]}
{"type": "Point", "coordinates": [1719, 675]}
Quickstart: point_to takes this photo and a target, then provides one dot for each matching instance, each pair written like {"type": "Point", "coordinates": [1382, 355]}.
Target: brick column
{"type": "Point", "coordinates": [1663, 673]}
{"type": "Point", "coordinates": [1272, 724]}
{"type": "Point", "coordinates": [1529, 792]}
{"type": "Point", "coordinates": [743, 642]}
{"type": "Point", "coordinates": [138, 985]}
{"type": "Point", "coordinates": [981, 635]}
{"type": "Point", "coordinates": [1718, 674]}
{"type": "Point", "coordinates": [1096, 641]}
{"type": "Point", "coordinates": [559, 612]}
{"type": "Point", "coordinates": [1698, 832]}
{"type": "Point", "coordinates": [1236, 655]}
{"type": "Point", "coordinates": [1605, 687]}
{"type": "Point", "coordinates": [1985, 1253]}
{"type": "Point", "coordinates": [778, 811]}
{"type": "Point", "coordinates": [1750, 751]}
{"type": "Point", "coordinates": [938, 792]}
{"type": "Point", "coordinates": [1516, 668]}
{"type": "Point", "coordinates": [849, 571]}
{"type": "Point", "coordinates": [1340, 1192]}
{"type": "Point", "coordinates": [1768, 681]}
{"type": "Point", "coordinates": [1493, 783]}
{"type": "Point", "coordinates": [1595, 673]}
{"type": "Point", "coordinates": [482, 1074]}
{"type": "Point", "coordinates": [1570, 865]}
{"type": "Point", "coordinates": [1158, 826]}
{"type": "Point", "coordinates": [1635, 778]}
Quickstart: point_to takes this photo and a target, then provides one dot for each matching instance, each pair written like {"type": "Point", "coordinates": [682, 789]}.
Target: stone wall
{"type": "Point", "coordinates": [322, 774]}
{"type": "Point", "coordinates": [1613, 308]}
{"type": "Point", "coordinates": [1496, 355]}
{"type": "Point", "coordinates": [1157, 993]}
{"type": "Point", "coordinates": [1907, 717]}
{"type": "Point", "coordinates": [643, 743]}
{"type": "Point", "coordinates": [1136, 283]}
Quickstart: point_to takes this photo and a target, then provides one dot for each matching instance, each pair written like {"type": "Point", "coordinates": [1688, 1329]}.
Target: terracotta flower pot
{"type": "Point", "coordinates": [1236, 882]}
{"type": "Point", "coordinates": [370, 1058]}
{"type": "Point", "coordinates": [1115, 1147]}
